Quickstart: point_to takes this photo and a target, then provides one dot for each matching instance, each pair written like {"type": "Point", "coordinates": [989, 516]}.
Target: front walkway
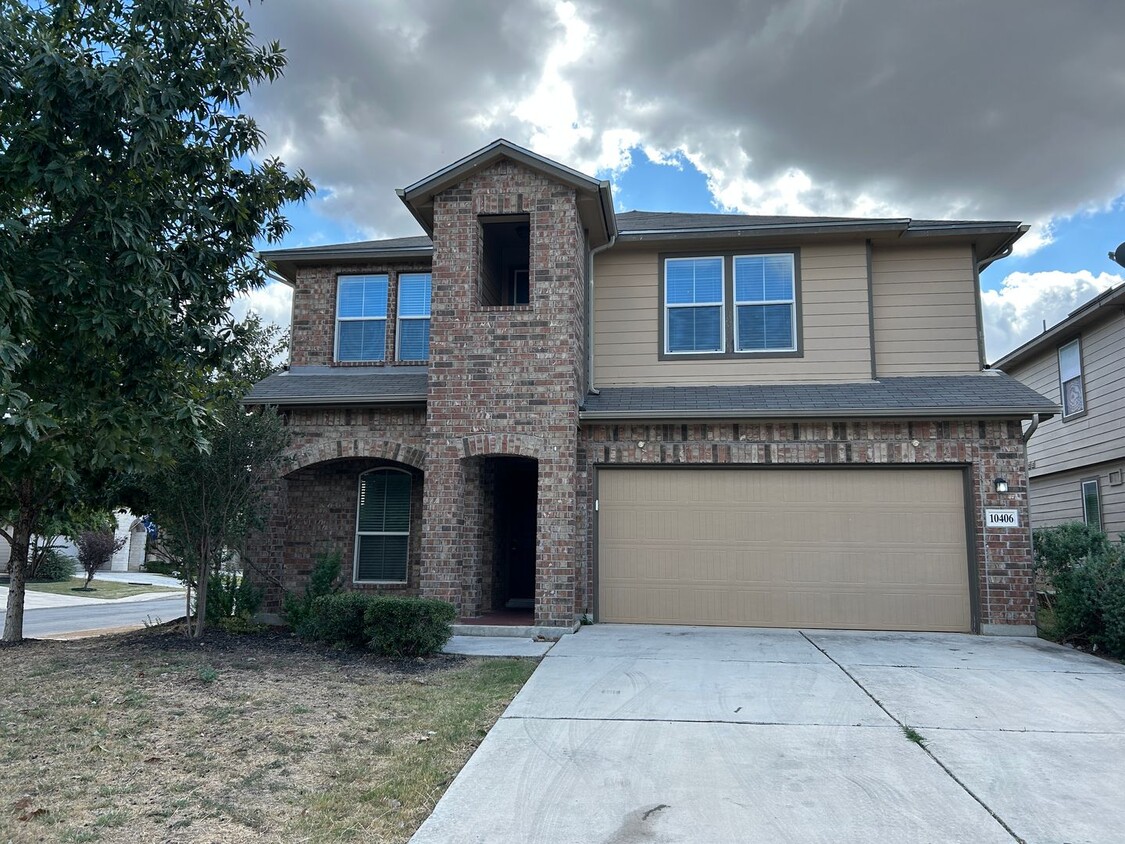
{"type": "Point", "coordinates": [671, 734]}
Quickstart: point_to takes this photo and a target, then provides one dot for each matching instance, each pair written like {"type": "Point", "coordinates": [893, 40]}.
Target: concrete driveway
{"type": "Point", "coordinates": [629, 734]}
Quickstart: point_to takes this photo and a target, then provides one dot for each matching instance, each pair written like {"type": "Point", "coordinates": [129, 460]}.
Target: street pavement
{"type": "Point", "coordinates": [104, 615]}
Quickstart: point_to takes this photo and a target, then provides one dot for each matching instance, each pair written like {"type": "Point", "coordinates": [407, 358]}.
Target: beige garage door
{"type": "Point", "coordinates": [866, 549]}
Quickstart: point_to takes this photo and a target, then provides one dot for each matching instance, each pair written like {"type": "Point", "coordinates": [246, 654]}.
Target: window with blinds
{"type": "Point", "coordinates": [361, 318]}
{"type": "Point", "coordinates": [764, 304]}
{"type": "Point", "coordinates": [413, 333]}
{"type": "Point", "coordinates": [382, 527]}
{"type": "Point", "coordinates": [693, 305]}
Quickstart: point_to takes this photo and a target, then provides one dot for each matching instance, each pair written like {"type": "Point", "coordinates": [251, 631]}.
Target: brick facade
{"type": "Point", "coordinates": [989, 448]}
{"type": "Point", "coordinates": [504, 380]}
{"type": "Point", "coordinates": [314, 310]}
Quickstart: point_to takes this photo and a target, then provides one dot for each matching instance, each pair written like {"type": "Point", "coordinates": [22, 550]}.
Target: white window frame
{"type": "Point", "coordinates": [359, 533]}
{"type": "Point", "coordinates": [721, 303]}
{"type": "Point", "coordinates": [1097, 494]}
{"type": "Point", "coordinates": [339, 319]}
{"type": "Point", "coordinates": [792, 303]}
{"type": "Point", "coordinates": [1080, 377]}
{"type": "Point", "coordinates": [399, 318]}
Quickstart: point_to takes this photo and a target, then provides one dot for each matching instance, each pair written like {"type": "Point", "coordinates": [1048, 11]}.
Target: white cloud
{"type": "Point", "coordinates": [1017, 311]}
{"type": "Point", "coordinates": [273, 303]}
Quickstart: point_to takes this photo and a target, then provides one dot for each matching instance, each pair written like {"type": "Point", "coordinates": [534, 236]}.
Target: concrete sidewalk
{"type": "Point", "coordinates": [636, 733]}
{"type": "Point", "coordinates": [34, 600]}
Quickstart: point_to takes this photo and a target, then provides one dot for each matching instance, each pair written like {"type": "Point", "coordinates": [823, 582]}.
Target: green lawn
{"type": "Point", "coordinates": [98, 588]}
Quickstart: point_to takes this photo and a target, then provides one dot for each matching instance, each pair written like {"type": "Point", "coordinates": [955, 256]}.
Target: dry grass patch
{"type": "Point", "coordinates": [145, 736]}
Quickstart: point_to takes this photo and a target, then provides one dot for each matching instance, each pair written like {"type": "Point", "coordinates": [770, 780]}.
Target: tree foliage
{"type": "Point", "coordinates": [129, 210]}
{"type": "Point", "coordinates": [95, 549]}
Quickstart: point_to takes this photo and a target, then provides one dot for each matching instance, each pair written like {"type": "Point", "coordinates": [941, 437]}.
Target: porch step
{"type": "Point", "coordinates": [516, 631]}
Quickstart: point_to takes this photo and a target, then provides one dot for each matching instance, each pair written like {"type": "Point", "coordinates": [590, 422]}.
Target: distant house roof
{"type": "Point", "coordinates": [990, 394]}
{"type": "Point", "coordinates": [1098, 308]}
{"type": "Point", "coordinates": [360, 385]}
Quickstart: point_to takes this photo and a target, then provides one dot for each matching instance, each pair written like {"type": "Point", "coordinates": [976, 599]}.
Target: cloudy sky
{"type": "Point", "coordinates": [1005, 109]}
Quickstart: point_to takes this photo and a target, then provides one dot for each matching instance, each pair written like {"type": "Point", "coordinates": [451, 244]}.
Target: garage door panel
{"type": "Point", "coordinates": [864, 549]}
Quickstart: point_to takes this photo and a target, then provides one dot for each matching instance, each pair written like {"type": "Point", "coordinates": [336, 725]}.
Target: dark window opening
{"type": "Point", "coordinates": [505, 277]}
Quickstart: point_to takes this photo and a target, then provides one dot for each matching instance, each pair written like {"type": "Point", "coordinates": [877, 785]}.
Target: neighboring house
{"type": "Point", "coordinates": [130, 557]}
{"type": "Point", "coordinates": [652, 417]}
{"type": "Point", "coordinates": [1077, 459]}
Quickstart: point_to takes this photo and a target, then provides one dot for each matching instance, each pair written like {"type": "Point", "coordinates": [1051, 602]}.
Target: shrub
{"type": "Point", "coordinates": [56, 567]}
{"type": "Point", "coordinates": [324, 579]}
{"type": "Point", "coordinates": [231, 596]}
{"type": "Point", "coordinates": [337, 619]}
{"type": "Point", "coordinates": [408, 626]}
{"type": "Point", "coordinates": [1058, 548]}
{"type": "Point", "coordinates": [95, 549]}
{"type": "Point", "coordinates": [1088, 576]}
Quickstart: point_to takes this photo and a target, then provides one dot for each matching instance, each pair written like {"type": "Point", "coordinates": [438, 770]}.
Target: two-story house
{"type": "Point", "coordinates": [704, 419]}
{"type": "Point", "coordinates": [1077, 459]}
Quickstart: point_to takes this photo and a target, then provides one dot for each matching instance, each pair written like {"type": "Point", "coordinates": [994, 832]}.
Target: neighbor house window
{"type": "Point", "coordinates": [413, 316]}
{"type": "Point", "coordinates": [765, 304]}
{"type": "Point", "coordinates": [1092, 503]}
{"type": "Point", "coordinates": [1070, 379]}
{"type": "Point", "coordinates": [382, 526]}
{"type": "Point", "coordinates": [361, 318]}
{"type": "Point", "coordinates": [693, 305]}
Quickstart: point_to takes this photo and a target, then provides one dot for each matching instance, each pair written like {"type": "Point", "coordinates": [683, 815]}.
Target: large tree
{"type": "Point", "coordinates": [129, 210]}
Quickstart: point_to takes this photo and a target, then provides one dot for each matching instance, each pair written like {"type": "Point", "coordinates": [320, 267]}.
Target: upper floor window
{"type": "Point", "coordinates": [1071, 384]}
{"type": "Point", "coordinates": [413, 329]}
{"type": "Point", "coordinates": [765, 303]}
{"type": "Point", "coordinates": [361, 318]}
{"type": "Point", "coordinates": [382, 533]}
{"type": "Point", "coordinates": [505, 270]}
{"type": "Point", "coordinates": [693, 305]}
{"type": "Point", "coordinates": [764, 316]}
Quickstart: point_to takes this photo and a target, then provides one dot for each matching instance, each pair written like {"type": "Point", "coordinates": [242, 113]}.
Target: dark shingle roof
{"type": "Point", "coordinates": [342, 385]}
{"type": "Point", "coordinates": [989, 394]}
{"type": "Point", "coordinates": [633, 222]}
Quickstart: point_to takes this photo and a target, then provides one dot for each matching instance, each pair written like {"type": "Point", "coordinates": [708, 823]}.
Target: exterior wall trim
{"type": "Point", "coordinates": [364, 447]}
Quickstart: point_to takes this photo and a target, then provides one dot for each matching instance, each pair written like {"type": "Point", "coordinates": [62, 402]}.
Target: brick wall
{"type": "Point", "coordinates": [991, 448]}
{"type": "Point", "coordinates": [510, 372]}
{"type": "Point", "coordinates": [313, 508]}
{"type": "Point", "coordinates": [314, 309]}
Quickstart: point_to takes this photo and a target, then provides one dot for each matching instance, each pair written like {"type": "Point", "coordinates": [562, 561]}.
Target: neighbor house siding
{"type": "Point", "coordinates": [1096, 437]}
{"type": "Point", "coordinates": [924, 301]}
{"type": "Point", "coordinates": [834, 320]}
{"type": "Point", "coordinates": [1058, 498]}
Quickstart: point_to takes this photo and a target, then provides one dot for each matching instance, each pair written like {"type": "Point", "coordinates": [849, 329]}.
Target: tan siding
{"type": "Point", "coordinates": [836, 548]}
{"type": "Point", "coordinates": [1058, 498]}
{"type": "Point", "coordinates": [1100, 434]}
{"type": "Point", "coordinates": [834, 323]}
{"type": "Point", "coordinates": [924, 299]}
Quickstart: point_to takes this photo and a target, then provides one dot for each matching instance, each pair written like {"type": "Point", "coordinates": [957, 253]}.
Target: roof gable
{"type": "Point", "coordinates": [595, 202]}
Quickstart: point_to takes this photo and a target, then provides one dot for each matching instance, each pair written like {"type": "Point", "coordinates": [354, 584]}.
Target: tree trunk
{"type": "Point", "coordinates": [201, 599]}
{"type": "Point", "coordinates": [17, 576]}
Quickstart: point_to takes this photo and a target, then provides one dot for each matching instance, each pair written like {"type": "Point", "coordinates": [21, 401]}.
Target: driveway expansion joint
{"type": "Point", "coordinates": [921, 745]}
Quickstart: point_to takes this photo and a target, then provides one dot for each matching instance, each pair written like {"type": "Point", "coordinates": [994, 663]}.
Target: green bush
{"type": "Point", "coordinates": [231, 596]}
{"type": "Point", "coordinates": [1058, 548]}
{"type": "Point", "coordinates": [337, 619]}
{"type": "Point", "coordinates": [408, 626]}
{"type": "Point", "coordinates": [1088, 576]}
{"type": "Point", "coordinates": [324, 579]}
{"type": "Point", "coordinates": [56, 567]}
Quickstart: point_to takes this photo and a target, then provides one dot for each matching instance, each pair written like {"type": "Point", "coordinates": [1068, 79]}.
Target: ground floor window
{"type": "Point", "coordinates": [1092, 503]}
{"type": "Point", "coordinates": [382, 526]}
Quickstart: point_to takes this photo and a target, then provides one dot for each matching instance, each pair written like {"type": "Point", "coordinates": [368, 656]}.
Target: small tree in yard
{"type": "Point", "coordinates": [95, 549]}
{"type": "Point", "coordinates": [129, 218]}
